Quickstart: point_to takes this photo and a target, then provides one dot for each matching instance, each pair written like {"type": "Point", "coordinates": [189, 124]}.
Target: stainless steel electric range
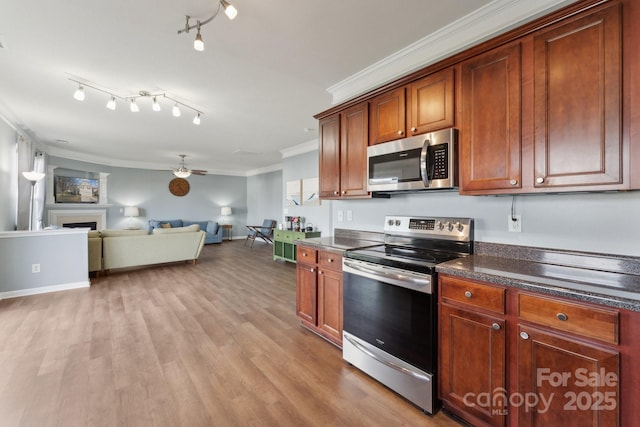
{"type": "Point", "coordinates": [390, 303]}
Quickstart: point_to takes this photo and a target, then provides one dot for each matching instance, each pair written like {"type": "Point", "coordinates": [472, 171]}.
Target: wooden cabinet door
{"type": "Point", "coordinates": [430, 103]}
{"type": "Point", "coordinates": [306, 292]}
{"type": "Point", "coordinates": [353, 149]}
{"type": "Point", "coordinates": [580, 381]}
{"type": "Point", "coordinates": [490, 135]}
{"type": "Point", "coordinates": [577, 102]}
{"type": "Point", "coordinates": [329, 129]}
{"type": "Point", "coordinates": [330, 303]}
{"type": "Point", "coordinates": [387, 117]}
{"type": "Point", "coordinates": [472, 364]}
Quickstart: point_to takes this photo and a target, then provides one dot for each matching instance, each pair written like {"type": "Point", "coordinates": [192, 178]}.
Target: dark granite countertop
{"type": "Point", "coordinates": [615, 289]}
{"type": "Point", "coordinates": [333, 243]}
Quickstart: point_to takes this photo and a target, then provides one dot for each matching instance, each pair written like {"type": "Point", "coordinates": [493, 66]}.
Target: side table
{"type": "Point", "coordinates": [229, 228]}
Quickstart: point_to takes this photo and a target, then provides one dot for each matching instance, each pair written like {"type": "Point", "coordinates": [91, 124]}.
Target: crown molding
{"type": "Point", "coordinates": [482, 24]}
{"type": "Point", "coordinates": [266, 169]}
{"type": "Point", "coordinates": [305, 147]}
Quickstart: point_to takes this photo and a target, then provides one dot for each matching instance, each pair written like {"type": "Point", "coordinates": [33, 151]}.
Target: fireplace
{"type": "Point", "coordinates": [87, 224]}
{"type": "Point", "coordinates": [70, 218]}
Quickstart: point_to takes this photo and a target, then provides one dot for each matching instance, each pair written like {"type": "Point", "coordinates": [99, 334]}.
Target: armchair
{"type": "Point", "coordinates": [263, 232]}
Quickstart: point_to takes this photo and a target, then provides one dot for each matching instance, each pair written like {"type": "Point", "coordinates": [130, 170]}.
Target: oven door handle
{"type": "Point", "coordinates": [405, 279]}
{"type": "Point", "coordinates": [385, 362]}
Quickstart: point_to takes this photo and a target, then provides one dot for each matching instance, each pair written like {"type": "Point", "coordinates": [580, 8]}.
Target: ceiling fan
{"type": "Point", "coordinates": [184, 172]}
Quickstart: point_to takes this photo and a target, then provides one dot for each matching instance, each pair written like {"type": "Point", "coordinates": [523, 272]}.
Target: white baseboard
{"type": "Point", "coordinates": [44, 290]}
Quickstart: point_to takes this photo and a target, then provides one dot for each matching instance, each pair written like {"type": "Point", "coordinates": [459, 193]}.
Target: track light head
{"type": "Point", "coordinates": [155, 106]}
{"type": "Point", "coordinates": [198, 44]}
{"type": "Point", "coordinates": [79, 93]}
{"type": "Point", "coordinates": [133, 106]}
{"type": "Point", "coordinates": [176, 110]}
{"type": "Point", "coordinates": [196, 119]}
{"type": "Point", "coordinates": [229, 10]}
{"type": "Point", "coordinates": [111, 104]}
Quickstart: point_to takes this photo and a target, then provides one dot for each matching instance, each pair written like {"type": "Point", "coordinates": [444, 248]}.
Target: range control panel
{"type": "Point", "coordinates": [436, 227]}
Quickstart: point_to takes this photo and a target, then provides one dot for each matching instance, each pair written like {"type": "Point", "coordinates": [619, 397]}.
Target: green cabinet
{"type": "Point", "coordinates": [283, 243]}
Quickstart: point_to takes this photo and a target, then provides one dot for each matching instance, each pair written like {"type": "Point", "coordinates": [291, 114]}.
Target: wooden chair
{"type": "Point", "coordinates": [263, 232]}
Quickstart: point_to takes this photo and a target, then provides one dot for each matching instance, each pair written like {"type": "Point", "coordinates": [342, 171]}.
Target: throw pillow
{"type": "Point", "coordinates": [165, 225]}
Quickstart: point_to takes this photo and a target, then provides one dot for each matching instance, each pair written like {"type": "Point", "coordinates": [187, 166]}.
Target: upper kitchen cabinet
{"type": "Point", "coordinates": [430, 103]}
{"type": "Point", "coordinates": [578, 102]}
{"type": "Point", "coordinates": [490, 134]}
{"type": "Point", "coordinates": [387, 117]}
{"type": "Point", "coordinates": [343, 153]}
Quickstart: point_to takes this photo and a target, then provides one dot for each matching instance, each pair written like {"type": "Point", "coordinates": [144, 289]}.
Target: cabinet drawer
{"type": "Point", "coordinates": [473, 293]}
{"type": "Point", "coordinates": [584, 320]}
{"type": "Point", "coordinates": [330, 261]}
{"type": "Point", "coordinates": [306, 255]}
{"type": "Point", "coordinates": [279, 235]}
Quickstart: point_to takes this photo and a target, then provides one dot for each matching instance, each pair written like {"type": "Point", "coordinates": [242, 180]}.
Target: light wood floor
{"type": "Point", "coordinates": [211, 344]}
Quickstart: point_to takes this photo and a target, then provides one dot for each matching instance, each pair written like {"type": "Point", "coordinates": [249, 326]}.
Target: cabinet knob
{"type": "Point", "coordinates": [562, 316]}
{"type": "Point", "coordinates": [304, 254]}
{"type": "Point", "coordinates": [313, 270]}
{"type": "Point", "coordinates": [336, 192]}
{"type": "Point", "coordinates": [524, 335]}
{"type": "Point", "coordinates": [496, 326]}
{"type": "Point", "coordinates": [319, 271]}
{"type": "Point", "coordinates": [400, 132]}
{"type": "Point", "coordinates": [344, 192]}
{"type": "Point", "coordinates": [513, 182]}
{"type": "Point", "coordinates": [413, 129]}
{"type": "Point", "coordinates": [330, 260]}
{"type": "Point", "coordinates": [468, 294]}
{"type": "Point", "coordinates": [539, 180]}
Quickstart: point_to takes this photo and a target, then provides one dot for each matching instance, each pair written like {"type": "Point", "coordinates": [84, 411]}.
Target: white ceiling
{"type": "Point", "coordinates": [259, 81]}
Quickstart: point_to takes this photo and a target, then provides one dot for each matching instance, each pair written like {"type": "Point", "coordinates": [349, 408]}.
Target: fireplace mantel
{"type": "Point", "coordinates": [59, 217]}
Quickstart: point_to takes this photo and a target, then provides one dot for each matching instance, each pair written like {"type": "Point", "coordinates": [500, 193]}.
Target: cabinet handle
{"type": "Point", "coordinates": [413, 129]}
{"type": "Point", "coordinates": [513, 182]}
{"type": "Point", "coordinates": [524, 335]}
{"type": "Point", "coordinates": [468, 294]}
{"type": "Point", "coordinates": [562, 316]}
{"type": "Point", "coordinates": [496, 326]}
{"type": "Point", "coordinates": [539, 180]}
{"type": "Point", "coordinates": [400, 132]}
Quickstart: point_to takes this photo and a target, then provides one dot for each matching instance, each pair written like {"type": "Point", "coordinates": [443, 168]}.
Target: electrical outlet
{"type": "Point", "coordinates": [340, 216]}
{"type": "Point", "coordinates": [514, 223]}
{"type": "Point", "coordinates": [35, 268]}
{"type": "Point", "coordinates": [349, 215]}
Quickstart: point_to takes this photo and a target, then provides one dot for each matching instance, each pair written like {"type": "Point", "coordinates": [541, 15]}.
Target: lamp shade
{"type": "Point", "coordinates": [131, 211]}
{"type": "Point", "coordinates": [226, 210]}
{"type": "Point", "coordinates": [33, 176]}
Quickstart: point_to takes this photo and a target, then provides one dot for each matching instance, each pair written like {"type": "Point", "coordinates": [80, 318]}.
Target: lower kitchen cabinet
{"type": "Point", "coordinates": [472, 350]}
{"type": "Point", "coordinates": [319, 292]}
{"type": "Point", "coordinates": [516, 358]}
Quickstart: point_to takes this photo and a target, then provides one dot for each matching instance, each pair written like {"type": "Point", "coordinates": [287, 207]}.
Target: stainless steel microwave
{"type": "Point", "coordinates": [423, 162]}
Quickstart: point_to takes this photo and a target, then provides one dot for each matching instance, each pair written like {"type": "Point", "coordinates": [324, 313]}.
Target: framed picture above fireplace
{"type": "Point", "coordinates": [75, 189]}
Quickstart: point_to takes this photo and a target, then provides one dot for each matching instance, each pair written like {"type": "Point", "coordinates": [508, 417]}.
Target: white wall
{"type": "Point", "coordinates": [264, 197]}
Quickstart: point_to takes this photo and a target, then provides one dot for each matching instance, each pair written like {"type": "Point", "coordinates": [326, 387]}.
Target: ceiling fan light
{"type": "Point", "coordinates": [229, 10]}
{"type": "Point", "coordinates": [79, 93]}
{"type": "Point", "coordinates": [196, 119]}
{"type": "Point", "coordinates": [133, 106]}
{"type": "Point", "coordinates": [198, 44]}
{"type": "Point", "coordinates": [175, 111]}
{"type": "Point", "coordinates": [111, 104]}
{"type": "Point", "coordinates": [155, 106]}
{"type": "Point", "coordinates": [182, 173]}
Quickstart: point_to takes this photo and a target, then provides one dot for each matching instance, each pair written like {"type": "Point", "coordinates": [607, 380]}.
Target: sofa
{"type": "Point", "coordinates": [132, 248]}
{"type": "Point", "coordinates": [211, 228]}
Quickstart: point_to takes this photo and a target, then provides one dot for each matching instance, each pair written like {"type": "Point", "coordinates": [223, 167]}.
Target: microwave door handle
{"type": "Point", "coordinates": [426, 164]}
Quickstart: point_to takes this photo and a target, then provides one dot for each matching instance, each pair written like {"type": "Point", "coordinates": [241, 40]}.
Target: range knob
{"type": "Point", "coordinates": [439, 225]}
{"type": "Point", "coordinates": [459, 226]}
{"type": "Point", "coordinates": [450, 227]}
{"type": "Point", "coordinates": [398, 223]}
{"type": "Point", "coordinates": [390, 222]}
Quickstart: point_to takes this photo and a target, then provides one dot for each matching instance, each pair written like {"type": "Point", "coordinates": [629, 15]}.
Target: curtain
{"type": "Point", "coordinates": [39, 165]}
{"type": "Point", "coordinates": [25, 163]}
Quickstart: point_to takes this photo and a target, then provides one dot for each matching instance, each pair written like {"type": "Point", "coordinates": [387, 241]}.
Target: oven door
{"type": "Point", "coordinates": [391, 309]}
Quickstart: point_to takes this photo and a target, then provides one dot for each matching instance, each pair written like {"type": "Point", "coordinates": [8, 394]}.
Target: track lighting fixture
{"type": "Point", "coordinates": [111, 104]}
{"type": "Point", "coordinates": [198, 43]}
{"type": "Point", "coordinates": [79, 94]}
{"type": "Point", "coordinates": [175, 111]}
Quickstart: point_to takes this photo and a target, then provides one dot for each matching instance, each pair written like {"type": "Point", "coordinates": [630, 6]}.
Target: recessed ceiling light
{"type": "Point", "coordinates": [61, 141]}
{"type": "Point", "coordinates": [308, 129]}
